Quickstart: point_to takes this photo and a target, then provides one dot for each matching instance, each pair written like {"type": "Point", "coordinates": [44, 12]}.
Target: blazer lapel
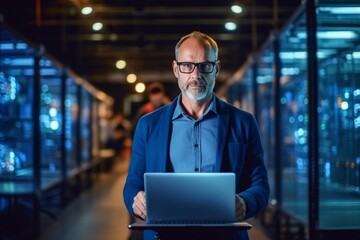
{"type": "Point", "coordinates": [164, 127]}
{"type": "Point", "coordinates": [223, 125]}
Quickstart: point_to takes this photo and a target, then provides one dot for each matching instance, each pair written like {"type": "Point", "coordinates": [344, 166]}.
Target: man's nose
{"type": "Point", "coordinates": [196, 72]}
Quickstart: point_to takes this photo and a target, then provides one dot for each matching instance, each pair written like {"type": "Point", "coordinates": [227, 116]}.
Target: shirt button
{"type": "Point", "coordinates": [196, 169]}
{"type": "Point", "coordinates": [196, 145]}
{"type": "Point", "coordinates": [196, 124]}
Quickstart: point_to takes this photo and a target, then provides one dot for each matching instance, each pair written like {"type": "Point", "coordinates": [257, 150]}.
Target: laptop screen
{"type": "Point", "coordinates": [190, 197]}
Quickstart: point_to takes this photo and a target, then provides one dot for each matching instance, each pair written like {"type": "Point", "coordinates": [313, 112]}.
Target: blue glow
{"type": "Point", "coordinates": [301, 118]}
{"type": "Point", "coordinates": [290, 71]}
{"type": "Point", "coordinates": [68, 103]}
{"type": "Point", "coordinates": [44, 88]}
{"type": "Point", "coordinates": [52, 167]}
{"type": "Point", "coordinates": [300, 132]}
{"type": "Point", "coordinates": [49, 72]}
{"type": "Point", "coordinates": [291, 119]}
{"type": "Point", "coordinates": [344, 105]}
{"type": "Point", "coordinates": [356, 92]}
{"type": "Point", "coordinates": [356, 108]}
{"type": "Point", "coordinates": [300, 163]}
{"type": "Point", "coordinates": [327, 169]}
{"type": "Point", "coordinates": [341, 10]}
{"type": "Point", "coordinates": [21, 46]}
{"type": "Point", "coordinates": [54, 125]}
{"type": "Point", "coordinates": [22, 62]}
{"type": "Point", "coordinates": [52, 112]}
{"type": "Point", "coordinates": [357, 122]}
{"type": "Point", "coordinates": [6, 46]}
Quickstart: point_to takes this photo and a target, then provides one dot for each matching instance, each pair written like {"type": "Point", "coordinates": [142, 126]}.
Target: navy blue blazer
{"type": "Point", "coordinates": [239, 149]}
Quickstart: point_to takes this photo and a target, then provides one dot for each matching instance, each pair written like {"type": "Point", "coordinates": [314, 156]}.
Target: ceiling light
{"type": "Point", "coordinates": [86, 10]}
{"type": "Point", "coordinates": [236, 8]}
{"type": "Point", "coordinates": [131, 78]}
{"type": "Point", "coordinates": [301, 55]}
{"type": "Point", "coordinates": [356, 55]}
{"type": "Point", "coordinates": [341, 10]}
{"type": "Point", "coordinates": [140, 88]}
{"type": "Point", "coordinates": [121, 64]}
{"type": "Point", "coordinates": [230, 26]}
{"type": "Point", "coordinates": [97, 26]}
{"type": "Point", "coordinates": [331, 35]}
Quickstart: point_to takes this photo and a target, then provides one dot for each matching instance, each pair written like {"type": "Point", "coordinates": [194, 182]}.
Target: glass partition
{"type": "Point", "coordinates": [16, 102]}
{"type": "Point", "coordinates": [51, 123]}
{"type": "Point", "coordinates": [85, 126]}
{"type": "Point", "coordinates": [264, 80]}
{"type": "Point", "coordinates": [241, 93]}
{"type": "Point", "coordinates": [293, 118]}
{"type": "Point", "coordinates": [71, 124]}
{"type": "Point", "coordinates": [339, 115]}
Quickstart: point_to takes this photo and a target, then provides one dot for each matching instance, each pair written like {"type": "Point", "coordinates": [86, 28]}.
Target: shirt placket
{"type": "Point", "coordinates": [197, 147]}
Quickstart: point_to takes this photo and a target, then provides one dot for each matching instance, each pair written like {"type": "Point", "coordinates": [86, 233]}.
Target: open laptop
{"type": "Point", "coordinates": [190, 197]}
{"type": "Point", "coordinates": [191, 200]}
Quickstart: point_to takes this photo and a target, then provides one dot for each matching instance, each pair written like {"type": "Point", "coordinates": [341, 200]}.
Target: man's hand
{"type": "Point", "coordinates": [241, 208]}
{"type": "Point", "coordinates": [139, 205]}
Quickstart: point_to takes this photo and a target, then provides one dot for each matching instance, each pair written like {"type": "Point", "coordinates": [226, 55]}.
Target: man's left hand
{"type": "Point", "coordinates": [241, 208]}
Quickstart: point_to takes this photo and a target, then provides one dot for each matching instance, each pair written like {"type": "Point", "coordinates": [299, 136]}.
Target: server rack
{"type": "Point", "coordinates": [311, 124]}
{"type": "Point", "coordinates": [49, 119]}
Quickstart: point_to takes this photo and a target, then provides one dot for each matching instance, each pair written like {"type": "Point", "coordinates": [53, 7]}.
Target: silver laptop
{"type": "Point", "coordinates": [190, 198]}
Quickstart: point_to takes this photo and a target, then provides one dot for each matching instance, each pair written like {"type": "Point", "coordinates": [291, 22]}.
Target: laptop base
{"type": "Point", "coordinates": [191, 231]}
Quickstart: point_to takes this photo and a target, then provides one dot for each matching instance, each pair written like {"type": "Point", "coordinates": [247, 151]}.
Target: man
{"type": "Point", "coordinates": [198, 132]}
{"type": "Point", "coordinates": [156, 97]}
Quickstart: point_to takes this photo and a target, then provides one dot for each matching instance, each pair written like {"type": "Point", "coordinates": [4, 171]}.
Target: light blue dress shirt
{"type": "Point", "coordinates": [193, 145]}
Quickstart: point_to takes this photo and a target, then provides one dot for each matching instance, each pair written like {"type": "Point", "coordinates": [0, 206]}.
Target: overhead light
{"type": "Point", "coordinates": [131, 78]}
{"type": "Point", "coordinates": [331, 35]}
{"type": "Point", "coordinates": [356, 55]}
{"type": "Point", "coordinates": [97, 26]}
{"type": "Point", "coordinates": [236, 8]}
{"type": "Point", "coordinates": [230, 26]}
{"type": "Point", "coordinates": [140, 87]}
{"type": "Point", "coordinates": [120, 64]}
{"type": "Point", "coordinates": [301, 55]}
{"type": "Point", "coordinates": [86, 10]}
{"type": "Point", "coordinates": [341, 10]}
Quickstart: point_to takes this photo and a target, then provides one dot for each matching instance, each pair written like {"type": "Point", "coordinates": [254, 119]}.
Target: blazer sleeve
{"type": "Point", "coordinates": [134, 181]}
{"type": "Point", "coordinates": [254, 180]}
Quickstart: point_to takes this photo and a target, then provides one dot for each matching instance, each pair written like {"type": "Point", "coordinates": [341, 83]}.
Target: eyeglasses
{"type": "Point", "coordinates": [189, 67]}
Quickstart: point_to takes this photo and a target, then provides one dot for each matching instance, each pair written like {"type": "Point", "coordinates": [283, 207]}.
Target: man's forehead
{"type": "Point", "coordinates": [193, 47]}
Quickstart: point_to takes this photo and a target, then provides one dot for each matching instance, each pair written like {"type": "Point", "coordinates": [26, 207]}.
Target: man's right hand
{"type": "Point", "coordinates": [139, 205]}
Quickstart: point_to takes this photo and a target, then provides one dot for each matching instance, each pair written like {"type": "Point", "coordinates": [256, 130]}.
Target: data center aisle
{"type": "Point", "coordinates": [100, 214]}
{"type": "Point", "coordinates": [97, 214]}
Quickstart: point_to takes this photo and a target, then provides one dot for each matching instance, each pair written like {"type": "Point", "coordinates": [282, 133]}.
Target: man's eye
{"type": "Point", "coordinates": [206, 66]}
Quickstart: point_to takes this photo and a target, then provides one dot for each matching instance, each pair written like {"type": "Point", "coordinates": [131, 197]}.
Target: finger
{"type": "Point", "coordinates": [139, 205]}
{"type": "Point", "coordinates": [140, 201]}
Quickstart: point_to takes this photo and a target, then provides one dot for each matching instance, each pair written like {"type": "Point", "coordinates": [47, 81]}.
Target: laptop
{"type": "Point", "coordinates": [195, 198]}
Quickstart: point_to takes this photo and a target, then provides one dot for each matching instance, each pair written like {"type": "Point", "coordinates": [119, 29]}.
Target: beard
{"type": "Point", "coordinates": [202, 91]}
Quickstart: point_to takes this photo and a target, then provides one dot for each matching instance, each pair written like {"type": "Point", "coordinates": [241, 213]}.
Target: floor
{"type": "Point", "coordinates": [99, 213]}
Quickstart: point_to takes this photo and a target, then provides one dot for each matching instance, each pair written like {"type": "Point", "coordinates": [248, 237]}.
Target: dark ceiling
{"type": "Point", "coordinates": [142, 32]}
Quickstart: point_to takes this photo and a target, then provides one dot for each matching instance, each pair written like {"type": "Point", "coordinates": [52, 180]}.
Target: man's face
{"type": "Point", "coordinates": [156, 99]}
{"type": "Point", "coordinates": [196, 86]}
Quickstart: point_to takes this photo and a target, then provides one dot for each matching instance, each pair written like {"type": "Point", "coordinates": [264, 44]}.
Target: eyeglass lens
{"type": "Point", "coordinates": [188, 67]}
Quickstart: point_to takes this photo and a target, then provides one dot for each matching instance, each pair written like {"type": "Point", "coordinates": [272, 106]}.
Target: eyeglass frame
{"type": "Point", "coordinates": [213, 64]}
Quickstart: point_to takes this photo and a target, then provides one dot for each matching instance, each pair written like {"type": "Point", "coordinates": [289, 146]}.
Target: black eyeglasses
{"type": "Point", "coordinates": [189, 67]}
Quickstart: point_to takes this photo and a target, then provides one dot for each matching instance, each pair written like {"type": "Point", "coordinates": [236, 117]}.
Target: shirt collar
{"type": "Point", "coordinates": [178, 112]}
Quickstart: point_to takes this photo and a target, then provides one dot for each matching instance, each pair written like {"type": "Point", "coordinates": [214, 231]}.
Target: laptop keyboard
{"type": "Point", "coordinates": [190, 222]}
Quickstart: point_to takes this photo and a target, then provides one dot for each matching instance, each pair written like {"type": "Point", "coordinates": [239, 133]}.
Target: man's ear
{"type": "Point", "coordinates": [175, 69]}
{"type": "Point", "coordinates": [218, 67]}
